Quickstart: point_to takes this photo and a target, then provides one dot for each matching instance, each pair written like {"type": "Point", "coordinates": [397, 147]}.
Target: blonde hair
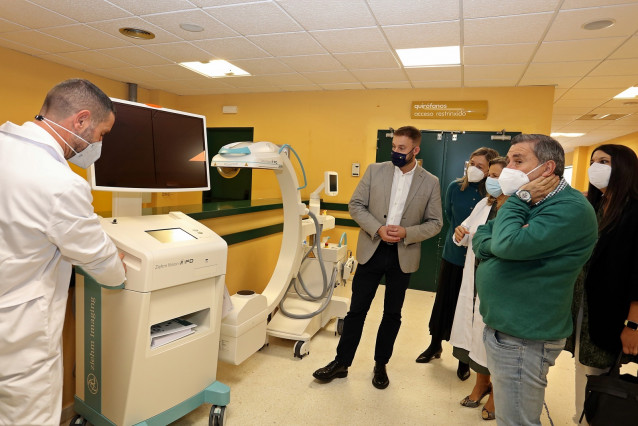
{"type": "Point", "coordinates": [489, 154]}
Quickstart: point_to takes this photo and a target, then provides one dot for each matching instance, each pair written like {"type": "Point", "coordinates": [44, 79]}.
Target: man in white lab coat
{"type": "Point", "coordinates": [47, 223]}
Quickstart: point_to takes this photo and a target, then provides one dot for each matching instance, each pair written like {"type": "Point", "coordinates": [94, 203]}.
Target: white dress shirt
{"type": "Point", "coordinates": [400, 187]}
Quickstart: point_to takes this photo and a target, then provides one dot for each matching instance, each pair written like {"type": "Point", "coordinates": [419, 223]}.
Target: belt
{"type": "Point", "coordinates": [388, 244]}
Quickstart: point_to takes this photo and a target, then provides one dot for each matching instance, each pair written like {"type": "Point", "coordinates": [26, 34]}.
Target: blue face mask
{"type": "Point", "coordinates": [493, 187]}
{"type": "Point", "coordinates": [399, 159]}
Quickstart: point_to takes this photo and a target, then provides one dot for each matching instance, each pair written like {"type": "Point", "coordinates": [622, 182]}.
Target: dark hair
{"type": "Point", "coordinates": [623, 184]}
{"type": "Point", "coordinates": [545, 149]}
{"type": "Point", "coordinates": [71, 96]}
{"type": "Point", "coordinates": [489, 154]}
{"type": "Point", "coordinates": [412, 133]}
{"type": "Point", "coordinates": [503, 162]}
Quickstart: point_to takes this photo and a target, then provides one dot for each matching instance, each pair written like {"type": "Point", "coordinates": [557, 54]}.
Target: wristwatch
{"type": "Point", "coordinates": [631, 324]}
{"type": "Point", "coordinates": [524, 195]}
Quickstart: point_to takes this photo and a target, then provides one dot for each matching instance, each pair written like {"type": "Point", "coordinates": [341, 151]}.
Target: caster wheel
{"type": "Point", "coordinates": [78, 420]}
{"type": "Point", "coordinates": [217, 415]}
{"type": "Point", "coordinates": [301, 349]}
{"type": "Point", "coordinates": [340, 322]}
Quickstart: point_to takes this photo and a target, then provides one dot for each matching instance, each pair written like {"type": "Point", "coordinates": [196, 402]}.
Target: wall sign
{"type": "Point", "coordinates": [449, 110]}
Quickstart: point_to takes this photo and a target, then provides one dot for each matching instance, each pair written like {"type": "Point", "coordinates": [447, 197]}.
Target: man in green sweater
{"type": "Point", "coordinates": [530, 256]}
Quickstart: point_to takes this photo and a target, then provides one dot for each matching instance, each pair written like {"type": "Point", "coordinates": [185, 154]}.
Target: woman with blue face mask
{"type": "Point", "coordinates": [467, 329]}
{"type": "Point", "coordinates": [461, 196]}
{"type": "Point", "coordinates": [605, 304]}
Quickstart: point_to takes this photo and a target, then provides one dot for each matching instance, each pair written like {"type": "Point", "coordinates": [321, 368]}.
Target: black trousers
{"type": "Point", "coordinates": [447, 295]}
{"type": "Point", "coordinates": [385, 261]}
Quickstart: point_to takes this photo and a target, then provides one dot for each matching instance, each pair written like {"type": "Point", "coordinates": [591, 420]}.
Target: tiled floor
{"type": "Point", "coordinates": [274, 388]}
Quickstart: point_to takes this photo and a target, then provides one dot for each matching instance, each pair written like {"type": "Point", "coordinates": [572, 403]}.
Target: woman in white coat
{"type": "Point", "coordinates": [467, 329]}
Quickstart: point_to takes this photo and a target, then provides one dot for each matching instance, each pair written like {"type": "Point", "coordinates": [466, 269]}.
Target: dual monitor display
{"type": "Point", "coordinates": [152, 149]}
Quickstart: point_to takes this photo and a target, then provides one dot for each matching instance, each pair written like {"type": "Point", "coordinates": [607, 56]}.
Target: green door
{"type": "Point", "coordinates": [444, 155]}
{"type": "Point", "coordinates": [223, 189]}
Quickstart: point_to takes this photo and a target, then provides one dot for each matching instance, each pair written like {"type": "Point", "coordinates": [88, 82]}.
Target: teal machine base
{"type": "Point", "coordinates": [217, 394]}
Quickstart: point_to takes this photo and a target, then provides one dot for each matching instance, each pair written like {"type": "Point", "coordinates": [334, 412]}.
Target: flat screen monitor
{"type": "Point", "coordinates": [151, 149]}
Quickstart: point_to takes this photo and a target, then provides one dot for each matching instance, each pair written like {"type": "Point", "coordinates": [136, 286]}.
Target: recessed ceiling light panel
{"type": "Point", "coordinates": [566, 135]}
{"type": "Point", "coordinates": [216, 68]}
{"type": "Point", "coordinates": [630, 93]}
{"type": "Point", "coordinates": [430, 56]}
{"type": "Point", "coordinates": [137, 33]}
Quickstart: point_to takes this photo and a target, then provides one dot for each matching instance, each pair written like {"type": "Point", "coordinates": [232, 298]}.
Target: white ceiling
{"type": "Point", "coordinates": [301, 45]}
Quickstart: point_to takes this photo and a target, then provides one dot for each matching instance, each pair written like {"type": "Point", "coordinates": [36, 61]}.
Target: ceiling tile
{"type": "Point", "coordinates": [352, 40]}
{"type": "Point", "coordinates": [180, 52]}
{"type": "Point", "coordinates": [135, 56]}
{"type": "Point", "coordinates": [129, 74]}
{"type": "Point", "coordinates": [86, 36]}
{"type": "Point", "coordinates": [171, 21]}
{"type": "Point", "coordinates": [484, 72]}
{"type": "Point", "coordinates": [87, 11]}
{"type": "Point", "coordinates": [342, 86]}
{"type": "Point", "coordinates": [327, 77]}
{"type": "Point", "coordinates": [300, 88]}
{"type": "Point", "coordinates": [509, 29]}
{"type": "Point", "coordinates": [577, 50]}
{"type": "Point", "coordinates": [617, 67]}
{"type": "Point", "coordinates": [263, 66]}
{"type": "Point", "coordinates": [577, 103]}
{"type": "Point", "coordinates": [436, 83]}
{"type": "Point", "coordinates": [94, 59]}
{"type": "Point", "coordinates": [256, 18]}
{"type": "Point", "coordinates": [312, 63]}
{"type": "Point", "coordinates": [423, 35]}
{"type": "Point", "coordinates": [500, 54]}
{"type": "Point", "coordinates": [141, 7]}
{"type": "Point", "coordinates": [606, 82]}
{"type": "Point", "coordinates": [288, 44]}
{"type": "Point", "coordinates": [434, 73]}
{"type": "Point", "coordinates": [388, 85]}
{"type": "Point", "coordinates": [286, 79]}
{"type": "Point", "coordinates": [629, 50]}
{"type": "Point", "coordinates": [7, 26]}
{"type": "Point", "coordinates": [559, 82]}
{"type": "Point", "coordinates": [490, 8]}
{"type": "Point", "coordinates": [600, 94]}
{"type": "Point", "coordinates": [367, 60]}
{"type": "Point", "coordinates": [63, 61]}
{"type": "Point", "coordinates": [414, 11]}
{"type": "Point", "coordinates": [30, 15]}
{"type": "Point", "coordinates": [568, 25]}
{"type": "Point", "coordinates": [366, 76]}
{"type": "Point", "coordinates": [43, 41]}
{"type": "Point", "coordinates": [172, 72]}
{"type": "Point", "coordinates": [9, 44]}
{"type": "Point", "coordinates": [501, 82]}
{"type": "Point", "coordinates": [329, 14]}
{"type": "Point", "coordinates": [560, 69]}
{"type": "Point", "coordinates": [579, 4]}
{"type": "Point", "coordinates": [231, 48]}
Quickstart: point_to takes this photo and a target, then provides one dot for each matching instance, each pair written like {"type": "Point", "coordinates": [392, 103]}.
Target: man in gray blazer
{"type": "Point", "coordinates": [397, 205]}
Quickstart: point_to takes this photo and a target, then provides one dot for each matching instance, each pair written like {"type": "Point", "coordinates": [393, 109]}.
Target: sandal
{"type": "Point", "coordinates": [470, 403]}
{"type": "Point", "coordinates": [487, 414]}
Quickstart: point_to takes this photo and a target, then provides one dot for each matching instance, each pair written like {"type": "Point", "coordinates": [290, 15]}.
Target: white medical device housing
{"type": "Point", "coordinates": [175, 269]}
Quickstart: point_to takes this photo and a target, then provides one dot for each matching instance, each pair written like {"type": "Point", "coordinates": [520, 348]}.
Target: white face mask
{"type": "Point", "coordinates": [474, 174]}
{"type": "Point", "coordinates": [599, 175]}
{"type": "Point", "coordinates": [83, 158]}
{"type": "Point", "coordinates": [511, 179]}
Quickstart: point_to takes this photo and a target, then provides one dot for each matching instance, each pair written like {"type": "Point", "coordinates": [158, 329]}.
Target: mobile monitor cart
{"type": "Point", "coordinates": [124, 374]}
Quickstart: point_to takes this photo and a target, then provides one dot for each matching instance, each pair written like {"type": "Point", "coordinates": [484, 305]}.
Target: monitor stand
{"type": "Point", "coordinates": [127, 204]}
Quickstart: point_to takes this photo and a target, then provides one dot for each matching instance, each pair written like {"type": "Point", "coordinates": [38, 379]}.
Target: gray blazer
{"type": "Point", "coordinates": [421, 219]}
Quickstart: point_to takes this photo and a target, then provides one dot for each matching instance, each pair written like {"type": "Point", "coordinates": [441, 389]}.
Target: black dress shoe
{"type": "Point", "coordinates": [429, 354]}
{"type": "Point", "coordinates": [380, 378]}
{"type": "Point", "coordinates": [331, 371]}
{"type": "Point", "coordinates": [463, 371]}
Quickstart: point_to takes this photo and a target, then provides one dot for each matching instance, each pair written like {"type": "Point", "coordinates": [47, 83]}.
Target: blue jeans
{"type": "Point", "coordinates": [519, 375]}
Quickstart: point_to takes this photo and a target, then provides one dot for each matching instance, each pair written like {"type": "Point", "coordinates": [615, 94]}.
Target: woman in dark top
{"type": "Point", "coordinates": [460, 198]}
{"type": "Point", "coordinates": [605, 307]}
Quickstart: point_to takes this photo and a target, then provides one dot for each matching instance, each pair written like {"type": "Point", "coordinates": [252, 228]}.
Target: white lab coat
{"type": "Point", "coordinates": [467, 329]}
{"type": "Point", "coordinates": [47, 224]}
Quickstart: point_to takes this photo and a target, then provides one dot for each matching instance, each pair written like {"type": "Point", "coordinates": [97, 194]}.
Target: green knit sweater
{"type": "Point", "coordinates": [526, 276]}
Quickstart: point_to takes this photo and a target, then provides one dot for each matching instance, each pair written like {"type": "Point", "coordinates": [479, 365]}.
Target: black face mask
{"type": "Point", "coordinates": [399, 159]}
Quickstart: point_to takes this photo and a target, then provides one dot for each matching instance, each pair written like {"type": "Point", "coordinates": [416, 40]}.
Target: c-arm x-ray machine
{"type": "Point", "coordinates": [294, 284]}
